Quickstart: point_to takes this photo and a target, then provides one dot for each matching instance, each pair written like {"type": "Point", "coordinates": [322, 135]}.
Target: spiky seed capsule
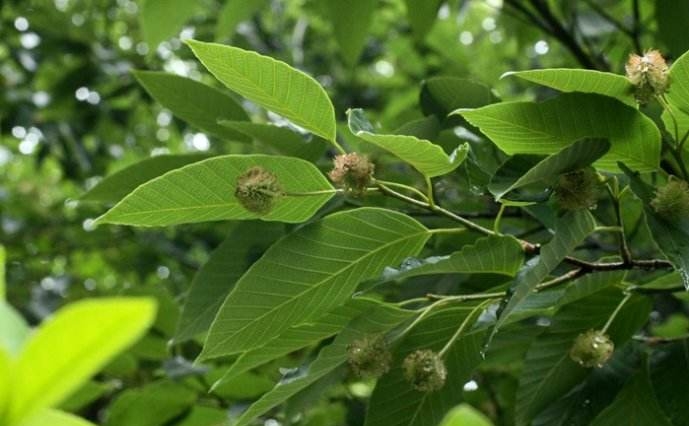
{"type": "Point", "coordinates": [257, 190]}
{"type": "Point", "coordinates": [671, 201]}
{"type": "Point", "coordinates": [353, 172]}
{"type": "Point", "coordinates": [649, 75]}
{"type": "Point", "coordinates": [577, 190]}
{"type": "Point", "coordinates": [592, 349]}
{"type": "Point", "coordinates": [425, 370]}
{"type": "Point", "coordinates": [369, 357]}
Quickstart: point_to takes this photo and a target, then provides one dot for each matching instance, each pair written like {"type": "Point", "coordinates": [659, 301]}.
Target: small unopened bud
{"type": "Point", "coordinates": [577, 190]}
{"type": "Point", "coordinates": [649, 75]}
{"type": "Point", "coordinates": [425, 370]}
{"type": "Point", "coordinates": [257, 190]}
{"type": "Point", "coordinates": [369, 357]}
{"type": "Point", "coordinates": [671, 201]}
{"type": "Point", "coordinates": [353, 172]}
{"type": "Point", "coordinates": [592, 349]}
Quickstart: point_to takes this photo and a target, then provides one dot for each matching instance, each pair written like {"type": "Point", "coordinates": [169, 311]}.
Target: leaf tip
{"type": "Point", "coordinates": [508, 74]}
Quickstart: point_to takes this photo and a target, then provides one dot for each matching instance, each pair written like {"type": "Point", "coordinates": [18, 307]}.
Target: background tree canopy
{"type": "Point", "coordinates": [330, 212]}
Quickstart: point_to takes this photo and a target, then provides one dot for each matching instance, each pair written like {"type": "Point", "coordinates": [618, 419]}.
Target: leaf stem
{"type": "Point", "coordinates": [469, 318]}
{"type": "Point", "coordinates": [616, 311]}
{"type": "Point", "coordinates": [498, 218]}
{"type": "Point", "coordinates": [403, 186]}
{"type": "Point", "coordinates": [429, 186]}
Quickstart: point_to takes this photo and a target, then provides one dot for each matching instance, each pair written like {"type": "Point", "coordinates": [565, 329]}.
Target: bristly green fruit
{"type": "Point", "coordinates": [353, 172]}
{"type": "Point", "coordinates": [258, 190]}
{"type": "Point", "coordinates": [648, 74]}
{"type": "Point", "coordinates": [369, 357]}
{"type": "Point", "coordinates": [577, 190]}
{"type": "Point", "coordinates": [592, 349]}
{"type": "Point", "coordinates": [425, 370]}
{"type": "Point", "coordinates": [671, 201]}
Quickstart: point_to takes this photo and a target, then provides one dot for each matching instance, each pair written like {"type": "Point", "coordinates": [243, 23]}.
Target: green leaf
{"type": "Point", "coordinates": [298, 337]}
{"type": "Point", "coordinates": [442, 95]}
{"type": "Point", "coordinates": [573, 157]}
{"type": "Point", "coordinates": [678, 98]}
{"type": "Point", "coordinates": [71, 346]}
{"type": "Point", "coordinates": [492, 254]}
{"type": "Point", "coordinates": [395, 403]}
{"type": "Point", "coordinates": [424, 156]}
{"type": "Point", "coordinates": [547, 127]}
{"type": "Point", "coordinates": [204, 191]}
{"type": "Point", "coordinates": [635, 405]}
{"type": "Point", "coordinates": [376, 320]}
{"type": "Point", "coordinates": [671, 236]}
{"type": "Point", "coordinates": [272, 84]}
{"type": "Point", "coordinates": [151, 405]}
{"type": "Point", "coordinates": [465, 415]}
{"type": "Point", "coordinates": [281, 139]}
{"type": "Point", "coordinates": [422, 15]}
{"type": "Point", "coordinates": [214, 280]}
{"type": "Point", "coordinates": [6, 365]}
{"type": "Point", "coordinates": [548, 372]}
{"type": "Point", "coordinates": [14, 329]}
{"type": "Point", "coordinates": [232, 13]}
{"type": "Point", "coordinates": [55, 418]}
{"type": "Point", "coordinates": [570, 231]}
{"type": "Point", "coordinates": [204, 416]}
{"type": "Point", "coordinates": [671, 19]}
{"type": "Point", "coordinates": [3, 284]}
{"type": "Point", "coordinates": [310, 272]}
{"type": "Point", "coordinates": [668, 375]}
{"type": "Point", "coordinates": [200, 105]}
{"type": "Point", "coordinates": [580, 80]}
{"type": "Point", "coordinates": [116, 186]}
{"type": "Point", "coordinates": [351, 21]}
{"type": "Point", "coordinates": [162, 19]}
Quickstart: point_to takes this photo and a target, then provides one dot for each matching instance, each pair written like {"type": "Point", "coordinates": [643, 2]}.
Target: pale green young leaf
{"type": "Point", "coordinates": [310, 272]}
{"type": "Point", "coordinates": [73, 345]}
{"type": "Point", "coordinates": [298, 337]}
{"type": "Point", "coordinates": [374, 321]}
{"type": "Point", "coordinates": [3, 284]}
{"type": "Point", "coordinates": [194, 102]}
{"type": "Point", "coordinates": [6, 364]}
{"type": "Point", "coordinates": [581, 80]}
{"type": "Point", "coordinates": [493, 254]}
{"type": "Point", "coordinates": [549, 372]}
{"type": "Point", "coordinates": [396, 403]}
{"type": "Point", "coordinates": [204, 191]}
{"type": "Point", "coordinates": [465, 415]}
{"type": "Point", "coordinates": [570, 231]}
{"type": "Point", "coordinates": [351, 21]}
{"type": "Point", "coordinates": [547, 127]}
{"type": "Point", "coordinates": [54, 418]}
{"type": "Point", "coordinates": [678, 98]}
{"type": "Point", "coordinates": [162, 19]}
{"type": "Point", "coordinates": [116, 186]}
{"type": "Point", "coordinates": [635, 405]}
{"type": "Point", "coordinates": [423, 155]}
{"type": "Point", "coordinates": [282, 140]}
{"type": "Point", "coordinates": [570, 158]}
{"type": "Point", "coordinates": [232, 13]}
{"type": "Point", "coordinates": [272, 84]}
{"type": "Point", "coordinates": [214, 280]}
{"type": "Point", "coordinates": [14, 328]}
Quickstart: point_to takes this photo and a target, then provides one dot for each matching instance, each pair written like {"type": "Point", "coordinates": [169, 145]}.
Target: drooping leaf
{"type": "Point", "coordinates": [14, 329]}
{"type": "Point", "coordinates": [424, 156]}
{"type": "Point", "coordinates": [422, 15]}
{"type": "Point", "coordinates": [232, 13]}
{"type": "Point", "coordinates": [396, 403]}
{"type": "Point", "coordinates": [298, 337]}
{"type": "Point", "coordinates": [70, 347]}
{"type": "Point", "coordinates": [200, 105]}
{"type": "Point", "coordinates": [151, 405]}
{"type": "Point", "coordinates": [377, 320]}
{"type": "Point", "coordinates": [635, 405]}
{"type": "Point", "coordinates": [678, 98]}
{"type": "Point", "coordinates": [281, 139]}
{"type": "Point", "coordinates": [351, 21]}
{"type": "Point", "coordinates": [549, 372]}
{"type": "Point", "coordinates": [272, 84]}
{"type": "Point", "coordinates": [162, 19]}
{"type": "Point", "coordinates": [581, 80]}
{"type": "Point", "coordinates": [310, 272]}
{"type": "Point", "coordinates": [573, 157]}
{"type": "Point", "coordinates": [671, 235]}
{"type": "Point", "coordinates": [547, 127]}
{"type": "Point", "coordinates": [493, 254]}
{"type": "Point", "coordinates": [116, 186]}
{"type": "Point", "coordinates": [442, 95]}
{"type": "Point", "coordinates": [570, 231]}
{"type": "Point", "coordinates": [671, 17]}
{"type": "Point", "coordinates": [204, 191]}
{"type": "Point", "coordinates": [214, 280]}
{"type": "Point", "coordinates": [55, 418]}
